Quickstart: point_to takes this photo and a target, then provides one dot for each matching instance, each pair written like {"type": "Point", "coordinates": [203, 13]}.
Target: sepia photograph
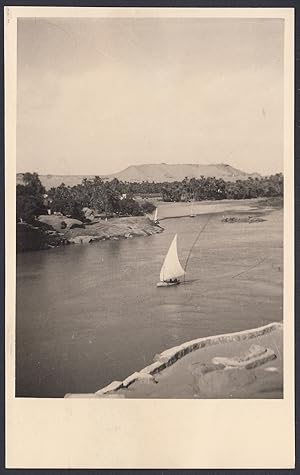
{"type": "Point", "coordinates": [150, 207]}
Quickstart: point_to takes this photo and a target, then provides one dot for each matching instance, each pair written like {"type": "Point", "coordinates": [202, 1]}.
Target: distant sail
{"type": "Point", "coordinates": [192, 213]}
{"type": "Point", "coordinates": [155, 214]}
{"type": "Point", "coordinates": [171, 268]}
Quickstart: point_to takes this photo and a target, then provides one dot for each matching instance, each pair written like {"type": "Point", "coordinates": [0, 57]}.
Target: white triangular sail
{"type": "Point", "coordinates": [171, 268]}
{"type": "Point", "coordinates": [192, 207]}
{"type": "Point", "coordinates": [155, 215]}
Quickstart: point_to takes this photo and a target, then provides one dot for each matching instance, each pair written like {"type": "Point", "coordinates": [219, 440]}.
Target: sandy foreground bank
{"type": "Point", "coordinates": [193, 369]}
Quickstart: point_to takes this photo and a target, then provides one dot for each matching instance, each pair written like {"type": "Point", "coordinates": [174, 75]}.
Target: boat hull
{"type": "Point", "coordinates": [167, 284]}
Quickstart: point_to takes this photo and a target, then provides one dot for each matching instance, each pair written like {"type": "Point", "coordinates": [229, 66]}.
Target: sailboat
{"type": "Point", "coordinates": [171, 269]}
{"type": "Point", "coordinates": [155, 216]}
{"type": "Point", "coordinates": [192, 214]}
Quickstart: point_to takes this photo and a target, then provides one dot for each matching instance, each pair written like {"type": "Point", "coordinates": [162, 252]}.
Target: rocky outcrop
{"type": "Point", "coordinates": [230, 376]}
{"type": "Point", "coordinates": [56, 230]}
{"type": "Point", "coordinates": [115, 228]}
{"type": "Point", "coordinates": [34, 238]}
{"type": "Point", "coordinates": [170, 356]}
{"type": "Point", "coordinates": [89, 213]}
{"type": "Point", "coordinates": [221, 383]}
{"type": "Point", "coordinates": [60, 223]}
{"type": "Point", "coordinates": [255, 356]}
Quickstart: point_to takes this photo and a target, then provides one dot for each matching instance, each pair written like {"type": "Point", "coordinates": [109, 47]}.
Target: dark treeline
{"type": "Point", "coordinates": [117, 198]}
{"type": "Point", "coordinates": [104, 197]}
{"type": "Point", "coordinates": [218, 189]}
{"type": "Point", "coordinates": [209, 188]}
{"type": "Point", "coordinates": [30, 198]}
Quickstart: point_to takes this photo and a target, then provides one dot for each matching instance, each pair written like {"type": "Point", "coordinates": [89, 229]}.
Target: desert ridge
{"type": "Point", "coordinates": [159, 173]}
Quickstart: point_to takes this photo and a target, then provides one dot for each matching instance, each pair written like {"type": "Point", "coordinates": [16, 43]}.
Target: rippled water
{"type": "Point", "coordinates": [90, 314]}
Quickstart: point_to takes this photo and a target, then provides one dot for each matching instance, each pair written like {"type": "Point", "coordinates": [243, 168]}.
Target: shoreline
{"type": "Point", "coordinates": [168, 358]}
{"type": "Point", "coordinates": [31, 238]}
{"type": "Point", "coordinates": [208, 207]}
{"type": "Point", "coordinates": [51, 234]}
{"type": "Point", "coordinates": [234, 283]}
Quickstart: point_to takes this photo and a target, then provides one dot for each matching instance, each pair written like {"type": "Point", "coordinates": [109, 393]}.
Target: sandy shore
{"type": "Point", "coordinates": [177, 210]}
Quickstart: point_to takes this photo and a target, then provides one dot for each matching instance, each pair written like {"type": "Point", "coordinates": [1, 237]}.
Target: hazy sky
{"type": "Point", "coordinates": [97, 95]}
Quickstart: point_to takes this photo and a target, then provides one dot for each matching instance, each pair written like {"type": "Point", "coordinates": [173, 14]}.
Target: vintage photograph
{"type": "Point", "coordinates": [149, 207]}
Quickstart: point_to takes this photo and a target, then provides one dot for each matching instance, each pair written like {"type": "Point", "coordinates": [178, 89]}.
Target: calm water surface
{"type": "Point", "coordinates": [90, 314]}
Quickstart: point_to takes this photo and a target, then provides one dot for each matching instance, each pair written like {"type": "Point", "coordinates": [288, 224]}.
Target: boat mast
{"type": "Point", "coordinates": [194, 243]}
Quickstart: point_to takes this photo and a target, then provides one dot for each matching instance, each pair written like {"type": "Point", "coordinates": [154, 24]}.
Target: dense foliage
{"type": "Point", "coordinates": [107, 198]}
{"type": "Point", "coordinates": [218, 189]}
{"type": "Point", "coordinates": [117, 198]}
{"type": "Point", "coordinates": [104, 197]}
{"type": "Point", "coordinates": [209, 188]}
{"type": "Point", "coordinates": [30, 198]}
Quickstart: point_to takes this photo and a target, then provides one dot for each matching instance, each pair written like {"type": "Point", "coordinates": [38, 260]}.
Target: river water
{"type": "Point", "coordinates": [91, 314]}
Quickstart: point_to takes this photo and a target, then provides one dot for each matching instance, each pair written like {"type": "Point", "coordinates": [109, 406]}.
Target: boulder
{"type": "Point", "coordinates": [255, 356]}
{"type": "Point", "coordinates": [89, 213]}
{"type": "Point", "coordinates": [57, 221]}
{"type": "Point", "coordinates": [81, 239]}
{"type": "Point", "coordinates": [211, 382]}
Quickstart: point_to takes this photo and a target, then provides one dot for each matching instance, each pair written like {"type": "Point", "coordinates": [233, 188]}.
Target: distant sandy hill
{"type": "Point", "coordinates": [165, 172]}
{"type": "Point", "coordinates": [154, 172]}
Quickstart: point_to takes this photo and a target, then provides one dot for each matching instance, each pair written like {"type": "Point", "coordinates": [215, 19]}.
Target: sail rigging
{"type": "Point", "coordinates": [194, 243]}
{"type": "Point", "coordinates": [171, 268]}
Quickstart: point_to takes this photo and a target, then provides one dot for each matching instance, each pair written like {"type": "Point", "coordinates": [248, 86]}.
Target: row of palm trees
{"type": "Point", "coordinates": [211, 188]}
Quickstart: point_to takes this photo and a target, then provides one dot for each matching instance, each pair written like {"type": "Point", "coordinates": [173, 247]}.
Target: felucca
{"type": "Point", "coordinates": [171, 269]}
{"type": "Point", "coordinates": [155, 216]}
{"type": "Point", "coordinates": [192, 214]}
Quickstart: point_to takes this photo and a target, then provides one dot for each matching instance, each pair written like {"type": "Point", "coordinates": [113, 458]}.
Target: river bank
{"type": "Point", "coordinates": [247, 364]}
{"type": "Point", "coordinates": [189, 377]}
{"type": "Point", "coordinates": [99, 316]}
{"type": "Point", "coordinates": [258, 206]}
{"type": "Point", "coordinates": [59, 231]}
{"type": "Point", "coordinates": [54, 231]}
